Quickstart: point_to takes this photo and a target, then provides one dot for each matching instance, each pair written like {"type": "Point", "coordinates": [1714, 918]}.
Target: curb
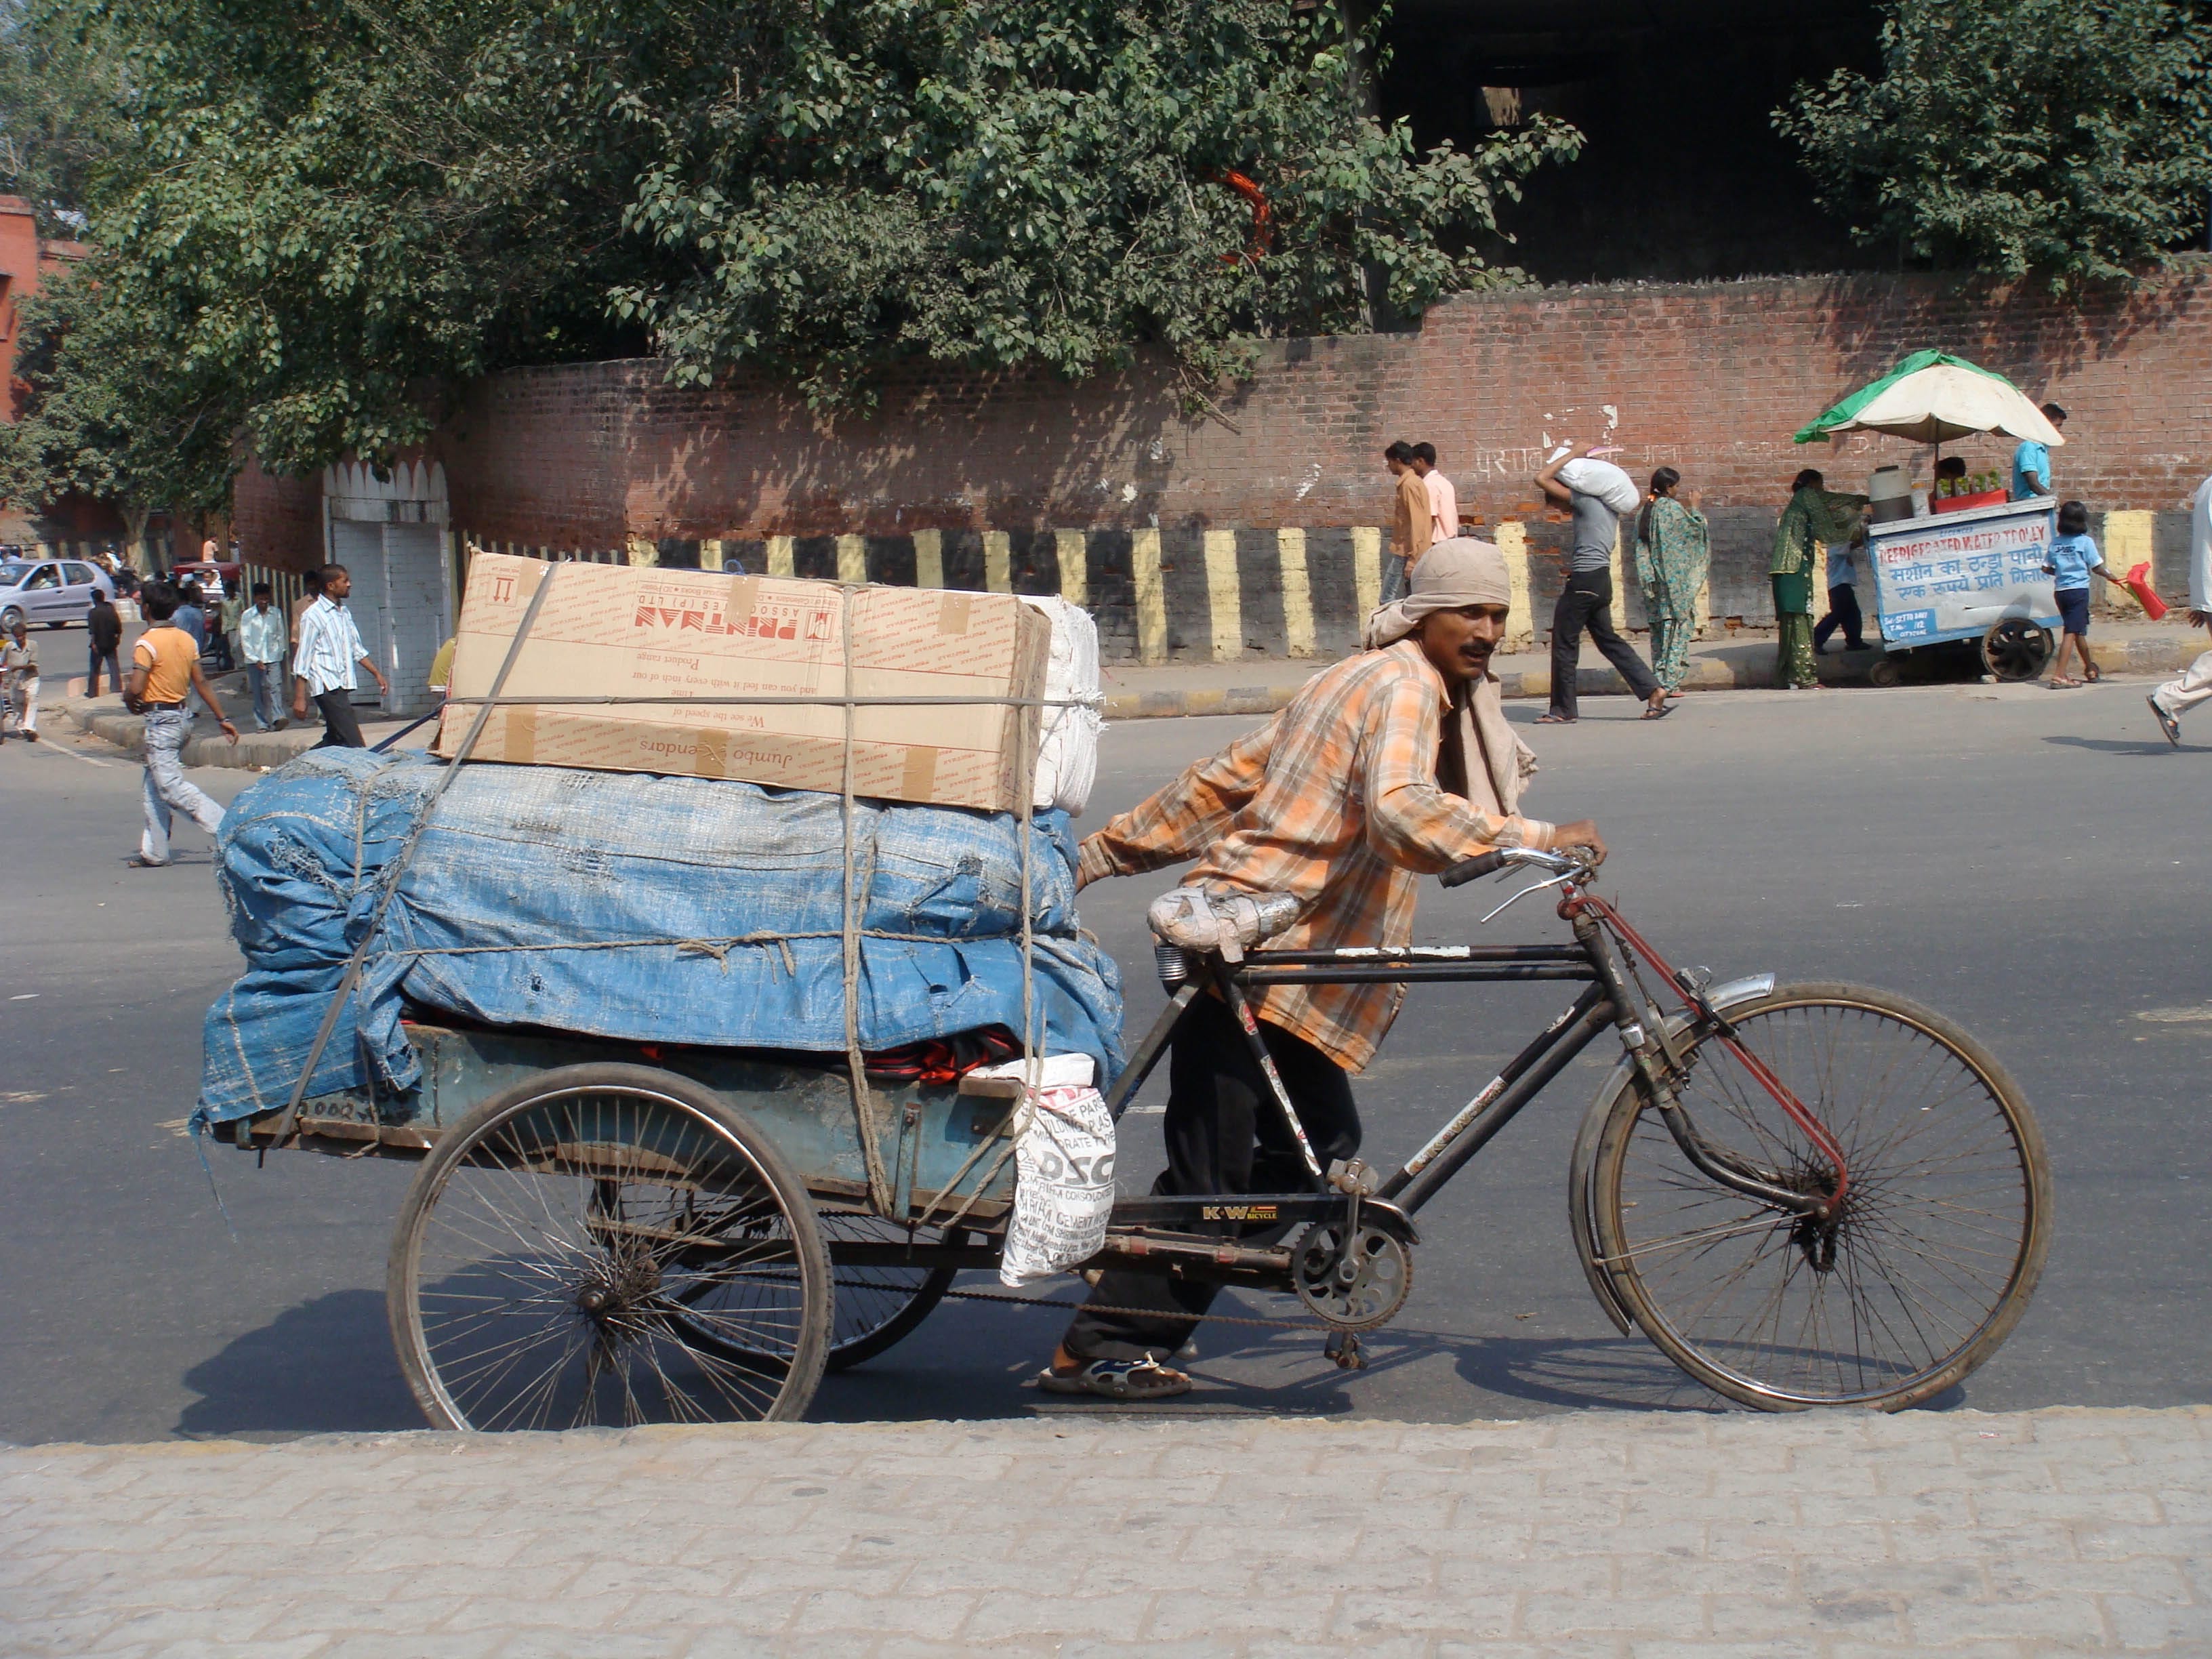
{"type": "Point", "coordinates": [2139, 656]}
{"type": "Point", "coordinates": [266, 750]}
{"type": "Point", "coordinates": [256, 751]}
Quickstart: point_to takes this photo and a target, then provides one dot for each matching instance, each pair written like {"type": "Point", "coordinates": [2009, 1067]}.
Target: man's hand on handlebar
{"type": "Point", "coordinates": [1581, 833]}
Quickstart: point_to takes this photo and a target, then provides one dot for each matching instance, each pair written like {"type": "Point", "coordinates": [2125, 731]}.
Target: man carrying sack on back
{"type": "Point", "coordinates": [1396, 764]}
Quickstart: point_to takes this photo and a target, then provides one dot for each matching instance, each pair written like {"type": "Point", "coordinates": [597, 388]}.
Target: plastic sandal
{"type": "Point", "coordinates": [1117, 1379]}
{"type": "Point", "coordinates": [2167, 723]}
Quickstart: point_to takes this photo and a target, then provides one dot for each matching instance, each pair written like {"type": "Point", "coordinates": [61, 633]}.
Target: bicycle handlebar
{"type": "Point", "coordinates": [1489, 864]}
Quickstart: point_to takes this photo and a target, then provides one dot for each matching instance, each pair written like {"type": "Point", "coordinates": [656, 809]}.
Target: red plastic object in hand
{"type": "Point", "coordinates": [2138, 583]}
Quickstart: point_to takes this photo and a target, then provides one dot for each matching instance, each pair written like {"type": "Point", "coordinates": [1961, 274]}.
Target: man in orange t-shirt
{"type": "Point", "coordinates": [165, 668]}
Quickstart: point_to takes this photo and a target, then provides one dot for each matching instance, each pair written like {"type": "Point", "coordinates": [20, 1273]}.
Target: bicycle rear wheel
{"type": "Point", "coordinates": [1931, 1258]}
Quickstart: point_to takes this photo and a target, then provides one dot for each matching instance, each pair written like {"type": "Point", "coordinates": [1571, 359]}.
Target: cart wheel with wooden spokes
{"type": "Point", "coordinates": [1930, 1258]}
{"type": "Point", "coordinates": [608, 1245]}
{"type": "Point", "coordinates": [2015, 649]}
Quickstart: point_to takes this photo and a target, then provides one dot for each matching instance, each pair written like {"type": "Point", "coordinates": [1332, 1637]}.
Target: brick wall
{"type": "Point", "coordinates": [1711, 378]}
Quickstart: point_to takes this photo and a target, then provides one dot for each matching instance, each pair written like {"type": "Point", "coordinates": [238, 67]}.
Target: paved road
{"type": "Point", "coordinates": [1594, 1535]}
{"type": "Point", "coordinates": [2032, 863]}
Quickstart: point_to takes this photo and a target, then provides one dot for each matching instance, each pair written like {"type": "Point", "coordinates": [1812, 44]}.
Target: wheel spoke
{"type": "Point", "coordinates": [1930, 1251]}
{"type": "Point", "coordinates": [604, 1256]}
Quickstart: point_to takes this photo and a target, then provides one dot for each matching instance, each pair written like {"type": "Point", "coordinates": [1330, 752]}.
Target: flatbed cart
{"type": "Point", "coordinates": [1803, 1194]}
{"type": "Point", "coordinates": [1973, 575]}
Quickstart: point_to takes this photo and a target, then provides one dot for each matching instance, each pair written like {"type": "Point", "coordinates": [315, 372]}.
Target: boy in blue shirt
{"type": "Point", "coordinates": [2074, 556]}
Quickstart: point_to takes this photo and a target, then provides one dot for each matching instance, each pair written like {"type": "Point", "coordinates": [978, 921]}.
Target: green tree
{"type": "Point", "coordinates": [60, 114]}
{"type": "Point", "coordinates": [102, 411]}
{"type": "Point", "coordinates": [2069, 137]}
{"type": "Point", "coordinates": [338, 208]}
{"type": "Point", "coordinates": [1007, 182]}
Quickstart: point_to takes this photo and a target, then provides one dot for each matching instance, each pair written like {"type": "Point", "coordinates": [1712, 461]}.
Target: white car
{"type": "Point", "coordinates": [55, 591]}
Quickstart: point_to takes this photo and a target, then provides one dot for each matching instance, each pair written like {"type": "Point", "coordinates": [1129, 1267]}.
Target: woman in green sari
{"type": "Point", "coordinates": [1816, 515]}
{"type": "Point", "coordinates": [1673, 549]}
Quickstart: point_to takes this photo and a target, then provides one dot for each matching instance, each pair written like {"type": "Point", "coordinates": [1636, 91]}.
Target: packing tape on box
{"type": "Point", "coordinates": [519, 740]}
{"type": "Point", "coordinates": [952, 613]}
{"type": "Point", "coordinates": [919, 776]}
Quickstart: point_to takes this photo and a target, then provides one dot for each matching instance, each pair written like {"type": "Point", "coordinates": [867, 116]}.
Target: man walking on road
{"type": "Point", "coordinates": [103, 635]}
{"type": "Point", "coordinates": [1410, 516]}
{"type": "Point", "coordinates": [1587, 602]}
{"type": "Point", "coordinates": [329, 650]}
{"type": "Point", "coordinates": [261, 647]}
{"type": "Point", "coordinates": [165, 669]}
{"type": "Point", "coordinates": [1444, 500]}
{"type": "Point", "coordinates": [2194, 684]}
{"type": "Point", "coordinates": [1394, 763]}
{"type": "Point", "coordinates": [19, 680]}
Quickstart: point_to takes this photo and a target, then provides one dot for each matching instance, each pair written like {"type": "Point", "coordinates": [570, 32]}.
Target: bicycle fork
{"type": "Point", "coordinates": [1717, 1163]}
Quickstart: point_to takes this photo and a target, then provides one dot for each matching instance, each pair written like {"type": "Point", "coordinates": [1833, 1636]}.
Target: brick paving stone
{"type": "Point", "coordinates": [1601, 1535]}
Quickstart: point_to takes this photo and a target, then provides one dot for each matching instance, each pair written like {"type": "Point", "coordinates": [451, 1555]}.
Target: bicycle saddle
{"type": "Point", "coordinates": [1192, 919]}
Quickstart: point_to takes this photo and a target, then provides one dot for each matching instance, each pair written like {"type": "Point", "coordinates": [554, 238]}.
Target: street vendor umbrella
{"type": "Point", "coordinates": [1931, 398]}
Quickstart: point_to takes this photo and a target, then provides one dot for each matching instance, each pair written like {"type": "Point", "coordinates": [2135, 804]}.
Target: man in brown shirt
{"type": "Point", "coordinates": [1410, 525]}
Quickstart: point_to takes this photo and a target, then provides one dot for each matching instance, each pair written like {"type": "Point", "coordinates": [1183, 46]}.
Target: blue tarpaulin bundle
{"type": "Point", "coordinates": [650, 909]}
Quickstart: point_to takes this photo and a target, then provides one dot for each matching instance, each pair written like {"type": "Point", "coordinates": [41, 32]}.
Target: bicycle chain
{"type": "Point", "coordinates": [1142, 1313]}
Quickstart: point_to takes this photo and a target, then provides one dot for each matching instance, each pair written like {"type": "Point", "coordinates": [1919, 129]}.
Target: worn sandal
{"type": "Point", "coordinates": [1117, 1379]}
{"type": "Point", "coordinates": [2093, 673]}
{"type": "Point", "coordinates": [2167, 723]}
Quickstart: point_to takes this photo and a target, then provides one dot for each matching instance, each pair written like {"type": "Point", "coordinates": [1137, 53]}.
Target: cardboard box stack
{"type": "Point", "coordinates": [612, 631]}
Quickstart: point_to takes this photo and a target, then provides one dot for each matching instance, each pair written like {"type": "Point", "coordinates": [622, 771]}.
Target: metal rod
{"type": "Point", "coordinates": [1415, 973]}
{"type": "Point", "coordinates": [783, 699]}
{"type": "Point", "coordinates": [1354, 956]}
{"type": "Point", "coordinates": [1149, 1051]}
{"type": "Point", "coordinates": [1549, 1055]}
{"type": "Point", "coordinates": [398, 867]}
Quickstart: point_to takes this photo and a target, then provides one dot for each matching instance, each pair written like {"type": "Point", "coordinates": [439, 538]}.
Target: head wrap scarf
{"type": "Point", "coordinates": [1449, 575]}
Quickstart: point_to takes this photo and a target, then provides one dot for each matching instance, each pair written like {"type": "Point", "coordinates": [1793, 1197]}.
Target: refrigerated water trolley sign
{"type": "Point", "coordinates": [1939, 580]}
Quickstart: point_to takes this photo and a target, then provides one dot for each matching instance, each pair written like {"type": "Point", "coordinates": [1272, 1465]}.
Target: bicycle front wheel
{"type": "Point", "coordinates": [1931, 1258]}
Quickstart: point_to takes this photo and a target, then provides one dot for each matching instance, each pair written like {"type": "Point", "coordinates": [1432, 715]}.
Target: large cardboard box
{"type": "Point", "coordinates": [611, 630]}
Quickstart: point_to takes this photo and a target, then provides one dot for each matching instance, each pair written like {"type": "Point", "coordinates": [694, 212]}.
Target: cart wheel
{"type": "Point", "coordinates": [879, 1306]}
{"type": "Point", "coordinates": [2015, 649]}
{"type": "Point", "coordinates": [876, 1306]}
{"type": "Point", "coordinates": [1884, 672]}
{"type": "Point", "coordinates": [565, 1246]}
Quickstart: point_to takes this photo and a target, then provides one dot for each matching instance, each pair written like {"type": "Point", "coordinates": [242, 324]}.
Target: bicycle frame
{"type": "Point", "coordinates": [1611, 996]}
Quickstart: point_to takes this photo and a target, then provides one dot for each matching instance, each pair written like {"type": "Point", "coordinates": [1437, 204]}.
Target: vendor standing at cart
{"type": "Point", "coordinates": [1816, 515]}
{"type": "Point", "coordinates": [2030, 462]}
{"type": "Point", "coordinates": [1396, 763]}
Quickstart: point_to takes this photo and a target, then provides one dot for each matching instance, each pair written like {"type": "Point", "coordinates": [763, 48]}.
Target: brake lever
{"type": "Point", "coordinates": [1563, 877]}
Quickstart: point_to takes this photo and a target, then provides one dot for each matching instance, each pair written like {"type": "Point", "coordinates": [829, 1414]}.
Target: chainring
{"type": "Point", "coordinates": [1355, 1279]}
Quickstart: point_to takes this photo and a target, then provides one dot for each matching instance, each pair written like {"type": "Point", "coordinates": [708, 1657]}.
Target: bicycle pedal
{"type": "Point", "coordinates": [1343, 1347]}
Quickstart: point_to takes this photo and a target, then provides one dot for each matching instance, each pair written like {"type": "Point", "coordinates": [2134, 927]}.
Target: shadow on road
{"type": "Point", "coordinates": [2116, 746]}
{"type": "Point", "coordinates": [325, 1366]}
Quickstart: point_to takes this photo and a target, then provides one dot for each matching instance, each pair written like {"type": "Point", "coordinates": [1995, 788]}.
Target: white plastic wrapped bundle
{"type": "Point", "coordinates": [1603, 480]}
{"type": "Point", "coordinates": [1067, 754]}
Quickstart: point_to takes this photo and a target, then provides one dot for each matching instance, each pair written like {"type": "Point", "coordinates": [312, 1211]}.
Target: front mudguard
{"type": "Point", "coordinates": [1582, 1163]}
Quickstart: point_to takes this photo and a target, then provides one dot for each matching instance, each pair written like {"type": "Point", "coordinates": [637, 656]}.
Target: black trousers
{"type": "Point", "coordinates": [1844, 613]}
{"type": "Point", "coordinates": [341, 728]}
{"type": "Point", "coordinates": [1225, 1134]}
{"type": "Point", "coordinates": [1587, 602]}
{"type": "Point", "coordinates": [93, 658]}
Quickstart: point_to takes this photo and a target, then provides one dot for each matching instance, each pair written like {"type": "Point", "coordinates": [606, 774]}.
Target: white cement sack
{"type": "Point", "coordinates": [1067, 752]}
{"type": "Point", "coordinates": [1603, 480]}
{"type": "Point", "coordinates": [1063, 1183]}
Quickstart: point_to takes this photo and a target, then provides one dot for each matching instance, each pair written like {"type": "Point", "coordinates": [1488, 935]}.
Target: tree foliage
{"type": "Point", "coordinates": [334, 209]}
{"type": "Point", "coordinates": [102, 413]}
{"type": "Point", "coordinates": [2070, 137]}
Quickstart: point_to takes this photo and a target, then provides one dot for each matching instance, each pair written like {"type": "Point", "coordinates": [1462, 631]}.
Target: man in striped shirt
{"type": "Point", "coordinates": [323, 666]}
{"type": "Point", "coordinates": [1396, 764]}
